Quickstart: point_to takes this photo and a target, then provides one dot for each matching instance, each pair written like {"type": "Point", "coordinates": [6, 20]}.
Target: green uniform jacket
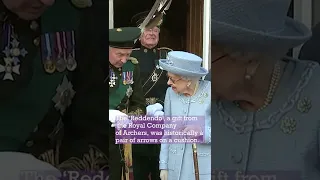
{"type": "Point", "coordinates": [154, 86]}
{"type": "Point", "coordinates": [35, 118]}
{"type": "Point", "coordinates": [34, 100]}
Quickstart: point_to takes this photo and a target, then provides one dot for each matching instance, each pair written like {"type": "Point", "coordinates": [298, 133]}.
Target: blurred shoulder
{"type": "Point", "coordinates": [135, 52]}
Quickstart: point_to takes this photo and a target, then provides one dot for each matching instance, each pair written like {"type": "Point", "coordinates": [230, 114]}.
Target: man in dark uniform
{"type": "Point", "coordinates": [310, 49]}
{"type": "Point", "coordinates": [41, 71]}
{"type": "Point", "coordinates": [125, 91]}
{"type": "Point", "coordinates": [146, 156]}
{"type": "Point", "coordinates": [208, 76]}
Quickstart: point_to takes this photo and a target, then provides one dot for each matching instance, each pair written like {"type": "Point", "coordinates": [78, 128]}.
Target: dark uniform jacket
{"type": "Point", "coordinates": [36, 112]}
{"type": "Point", "coordinates": [310, 49]}
{"type": "Point", "coordinates": [208, 76]}
{"type": "Point", "coordinates": [154, 84]}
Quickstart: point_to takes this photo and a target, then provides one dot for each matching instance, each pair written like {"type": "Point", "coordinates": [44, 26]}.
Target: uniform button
{"type": "Point", "coordinates": [237, 157]}
{"type": "Point", "coordinates": [36, 41]}
{"type": "Point", "coordinates": [34, 25]}
{"type": "Point", "coordinates": [29, 143]}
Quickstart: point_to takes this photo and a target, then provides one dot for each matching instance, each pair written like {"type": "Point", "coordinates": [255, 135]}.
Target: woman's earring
{"type": "Point", "coordinates": [250, 71]}
{"type": "Point", "coordinates": [188, 84]}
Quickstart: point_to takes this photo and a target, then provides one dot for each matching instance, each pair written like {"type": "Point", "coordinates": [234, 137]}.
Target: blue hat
{"type": "Point", "coordinates": [184, 64]}
{"type": "Point", "coordinates": [256, 24]}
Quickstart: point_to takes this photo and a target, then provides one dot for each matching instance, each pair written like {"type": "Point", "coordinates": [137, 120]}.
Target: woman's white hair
{"type": "Point", "coordinates": [191, 79]}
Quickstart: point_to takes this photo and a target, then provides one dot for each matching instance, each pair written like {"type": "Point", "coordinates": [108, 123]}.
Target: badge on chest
{"type": "Point", "coordinates": [13, 53]}
{"type": "Point", "coordinates": [127, 77]}
{"type": "Point", "coordinates": [113, 78]}
{"type": "Point", "coordinates": [58, 51]}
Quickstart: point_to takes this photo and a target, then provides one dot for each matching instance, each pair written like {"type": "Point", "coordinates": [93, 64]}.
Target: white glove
{"type": "Point", "coordinates": [118, 118]}
{"type": "Point", "coordinates": [164, 175]}
{"type": "Point", "coordinates": [151, 109]}
{"type": "Point", "coordinates": [158, 113]}
{"type": "Point", "coordinates": [18, 166]}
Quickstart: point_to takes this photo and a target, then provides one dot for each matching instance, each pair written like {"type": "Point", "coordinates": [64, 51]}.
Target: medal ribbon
{"type": "Point", "coordinates": [48, 46]}
{"type": "Point", "coordinates": [64, 44]}
{"type": "Point", "coordinates": [9, 35]}
{"type": "Point", "coordinates": [128, 77]}
{"type": "Point", "coordinates": [124, 77]}
{"type": "Point", "coordinates": [111, 73]}
{"type": "Point", "coordinates": [69, 43]}
{"type": "Point", "coordinates": [6, 35]}
{"type": "Point", "coordinates": [73, 44]}
{"type": "Point", "coordinates": [59, 48]}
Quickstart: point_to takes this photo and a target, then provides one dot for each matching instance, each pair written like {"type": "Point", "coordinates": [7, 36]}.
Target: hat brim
{"type": "Point", "coordinates": [293, 34]}
{"type": "Point", "coordinates": [179, 71]}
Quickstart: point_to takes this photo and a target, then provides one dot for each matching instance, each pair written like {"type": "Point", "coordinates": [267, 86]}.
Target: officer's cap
{"type": "Point", "coordinates": [123, 38]}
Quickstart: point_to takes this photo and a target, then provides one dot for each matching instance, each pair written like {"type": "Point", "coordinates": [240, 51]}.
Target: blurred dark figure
{"type": "Point", "coordinates": [309, 50]}
{"type": "Point", "coordinates": [208, 76]}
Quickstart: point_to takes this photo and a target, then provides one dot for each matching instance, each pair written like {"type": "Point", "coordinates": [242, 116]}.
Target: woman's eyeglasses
{"type": "Point", "coordinates": [173, 80]}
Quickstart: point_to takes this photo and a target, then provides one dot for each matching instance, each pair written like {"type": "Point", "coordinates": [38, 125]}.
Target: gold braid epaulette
{"type": "Point", "coordinates": [165, 48]}
{"type": "Point", "coordinates": [133, 60]}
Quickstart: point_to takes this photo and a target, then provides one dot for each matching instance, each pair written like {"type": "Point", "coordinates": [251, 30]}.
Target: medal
{"type": "Point", "coordinates": [128, 77]}
{"type": "Point", "coordinates": [154, 77]}
{"type": "Point", "coordinates": [49, 65]}
{"type": "Point", "coordinates": [131, 77]}
{"type": "Point", "coordinates": [71, 62]}
{"type": "Point", "coordinates": [64, 95]}
{"type": "Point", "coordinates": [124, 77]}
{"type": "Point", "coordinates": [61, 63]}
{"type": "Point", "coordinates": [8, 69]}
{"type": "Point", "coordinates": [14, 50]}
{"type": "Point", "coordinates": [12, 54]}
{"type": "Point", "coordinates": [113, 78]}
{"type": "Point", "coordinates": [129, 92]}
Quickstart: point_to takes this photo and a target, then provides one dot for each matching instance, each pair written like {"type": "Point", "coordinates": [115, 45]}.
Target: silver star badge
{"type": "Point", "coordinates": [15, 51]}
{"type": "Point", "coordinates": [64, 95]}
{"type": "Point", "coordinates": [129, 92]}
{"type": "Point", "coordinates": [8, 69]}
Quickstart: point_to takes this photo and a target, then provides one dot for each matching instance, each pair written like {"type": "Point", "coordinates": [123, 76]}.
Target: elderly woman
{"type": "Point", "coordinates": [187, 96]}
{"type": "Point", "coordinates": [265, 106]}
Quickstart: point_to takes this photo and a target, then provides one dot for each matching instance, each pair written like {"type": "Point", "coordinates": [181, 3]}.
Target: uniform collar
{"type": "Point", "coordinates": [146, 50]}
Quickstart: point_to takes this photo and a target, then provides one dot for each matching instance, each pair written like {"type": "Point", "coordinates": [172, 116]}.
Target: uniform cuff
{"type": "Point", "coordinates": [163, 165]}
